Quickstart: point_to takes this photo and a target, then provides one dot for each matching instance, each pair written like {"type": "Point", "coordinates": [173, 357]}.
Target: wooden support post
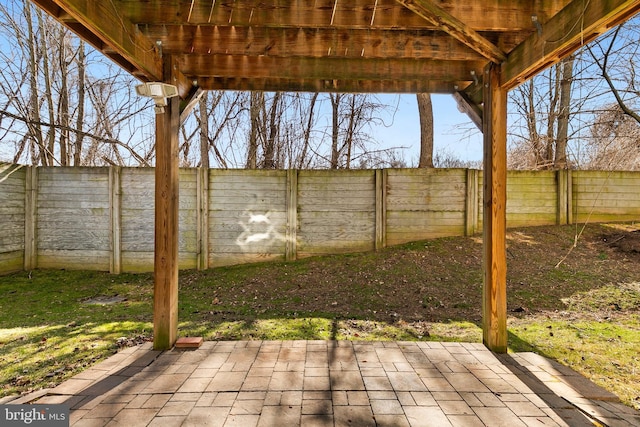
{"type": "Point", "coordinates": [381, 209]}
{"type": "Point", "coordinates": [202, 229]}
{"type": "Point", "coordinates": [291, 231]}
{"type": "Point", "coordinates": [471, 203]}
{"type": "Point", "coordinates": [30, 219]}
{"type": "Point", "coordinates": [494, 298]}
{"type": "Point", "coordinates": [569, 196]}
{"type": "Point", "coordinates": [165, 298]}
{"type": "Point", "coordinates": [563, 196]}
{"type": "Point", "coordinates": [115, 209]}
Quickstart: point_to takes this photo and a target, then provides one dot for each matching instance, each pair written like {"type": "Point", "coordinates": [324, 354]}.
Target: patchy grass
{"type": "Point", "coordinates": [579, 305]}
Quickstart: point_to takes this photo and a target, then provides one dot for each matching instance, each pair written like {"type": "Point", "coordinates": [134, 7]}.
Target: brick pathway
{"type": "Point", "coordinates": [329, 383]}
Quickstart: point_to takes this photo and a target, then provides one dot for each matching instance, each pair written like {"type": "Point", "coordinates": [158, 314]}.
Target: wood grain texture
{"type": "Point", "coordinates": [494, 295]}
{"type": "Point", "coordinates": [165, 264]}
{"type": "Point", "coordinates": [13, 194]}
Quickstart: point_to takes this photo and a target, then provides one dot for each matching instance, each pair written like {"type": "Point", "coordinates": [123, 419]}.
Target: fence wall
{"type": "Point", "coordinates": [102, 218]}
{"type": "Point", "coordinates": [13, 180]}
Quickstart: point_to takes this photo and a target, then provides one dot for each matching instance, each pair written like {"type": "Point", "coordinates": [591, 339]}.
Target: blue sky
{"type": "Point", "coordinates": [453, 131]}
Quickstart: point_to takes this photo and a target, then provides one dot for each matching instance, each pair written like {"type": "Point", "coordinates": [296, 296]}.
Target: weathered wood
{"type": "Point", "coordinates": [330, 68]}
{"type": "Point", "coordinates": [80, 235]}
{"type": "Point", "coordinates": [469, 107]}
{"type": "Point", "coordinates": [494, 298]}
{"type": "Point", "coordinates": [202, 234]}
{"type": "Point", "coordinates": [563, 196]}
{"type": "Point", "coordinates": [455, 28]}
{"type": "Point", "coordinates": [247, 215]}
{"type": "Point", "coordinates": [337, 210]}
{"type": "Point", "coordinates": [483, 16]}
{"type": "Point", "coordinates": [471, 203]}
{"type": "Point", "coordinates": [275, 83]}
{"type": "Point", "coordinates": [165, 308]}
{"type": "Point", "coordinates": [74, 259]}
{"type": "Point", "coordinates": [381, 203]}
{"type": "Point", "coordinates": [310, 42]}
{"type": "Point", "coordinates": [30, 221]}
{"type": "Point", "coordinates": [291, 233]}
{"type": "Point", "coordinates": [570, 197]}
{"type": "Point", "coordinates": [339, 221]}
{"type": "Point", "coordinates": [102, 25]}
{"type": "Point", "coordinates": [115, 210]}
{"type": "Point", "coordinates": [13, 195]}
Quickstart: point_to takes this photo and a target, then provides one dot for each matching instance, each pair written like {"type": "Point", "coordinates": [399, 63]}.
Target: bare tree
{"type": "Point", "coordinates": [544, 106]}
{"type": "Point", "coordinates": [615, 141]}
{"type": "Point", "coordinates": [48, 96]}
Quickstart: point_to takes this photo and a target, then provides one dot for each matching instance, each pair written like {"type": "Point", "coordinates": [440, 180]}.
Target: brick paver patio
{"type": "Point", "coordinates": [333, 383]}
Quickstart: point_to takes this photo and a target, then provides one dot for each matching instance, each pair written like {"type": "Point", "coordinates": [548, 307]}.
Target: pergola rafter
{"type": "Point", "coordinates": [475, 49]}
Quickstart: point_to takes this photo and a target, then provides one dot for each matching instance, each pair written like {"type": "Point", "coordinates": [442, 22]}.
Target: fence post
{"type": "Point", "coordinates": [30, 218]}
{"type": "Point", "coordinates": [381, 208]}
{"type": "Point", "coordinates": [471, 205]}
{"type": "Point", "coordinates": [202, 220]}
{"type": "Point", "coordinates": [569, 196]}
{"type": "Point", "coordinates": [563, 192]}
{"type": "Point", "coordinates": [291, 231]}
{"type": "Point", "coordinates": [115, 213]}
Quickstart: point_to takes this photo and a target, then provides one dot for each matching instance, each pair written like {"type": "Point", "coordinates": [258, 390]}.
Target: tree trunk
{"type": "Point", "coordinates": [307, 132]}
{"type": "Point", "coordinates": [63, 106]}
{"type": "Point", "coordinates": [51, 133]}
{"type": "Point", "coordinates": [255, 104]}
{"type": "Point", "coordinates": [204, 131]}
{"type": "Point", "coordinates": [560, 158]}
{"type": "Point", "coordinates": [274, 130]}
{"type": "Point", "coordinates": [335, 104]}
{"type": "Point", "coordinates": [80, 61]}
{"type": "Point", "coordinates": [34, 103]}
{"type": "Point", "coordinates": [425, 111]}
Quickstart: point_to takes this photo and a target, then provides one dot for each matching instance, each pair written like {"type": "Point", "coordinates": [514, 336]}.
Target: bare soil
{"type": "Point", "coordinates": [431, 281]}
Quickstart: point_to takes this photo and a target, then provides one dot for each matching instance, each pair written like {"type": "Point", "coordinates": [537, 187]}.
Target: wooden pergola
{"type": "Point", "coordinates": [476, 50]}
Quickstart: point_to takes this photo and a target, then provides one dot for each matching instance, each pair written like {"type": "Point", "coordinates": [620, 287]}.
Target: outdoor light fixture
{"type": "Point", "coordinates": [159, 92]}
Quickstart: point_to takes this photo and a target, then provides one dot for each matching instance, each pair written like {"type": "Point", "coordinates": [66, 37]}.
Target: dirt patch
{"type": "Point", "coordinates": [431, 281]}
{"type": "Point", "coordinates": [626, 241]}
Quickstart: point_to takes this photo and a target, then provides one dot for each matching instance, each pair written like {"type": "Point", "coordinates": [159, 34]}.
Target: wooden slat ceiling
{"type": "Point", "coordinates": [402, 46]}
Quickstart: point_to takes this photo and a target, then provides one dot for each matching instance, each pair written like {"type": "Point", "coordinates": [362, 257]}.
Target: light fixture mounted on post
{"type": "Point", "coordinates": [160, 92]}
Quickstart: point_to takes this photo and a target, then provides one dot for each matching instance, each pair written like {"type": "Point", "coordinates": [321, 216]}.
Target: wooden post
{"type": "Point", "coordinates": [165, 297]}
{"type": "Point", "coordinates": [471, 205]}
{"type": "Point", "coordinates": [563, 199]}
{"type": "Point", "coordinates": [569, 196]}
{"type": "Point", "coordinates": [494, 298]}
{"type": "Point", "coordinates": [115, 210]}
{"type": "Point", "coordinates": [30, 219]}
{"type": "Point", "coordinates": [202, 229]}
{"type": "Point", "coordinates": [291, 231]}
{"type": "Point", "coordinates": [381, 209]}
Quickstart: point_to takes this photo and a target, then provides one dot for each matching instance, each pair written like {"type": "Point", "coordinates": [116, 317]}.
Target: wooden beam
{"type": "Point", "coordinates": [188, 104]}
{"type": "Point", "coordinates": [575, 25]}
{"type": "Point", "coordinates": [470, 108]}
{"type": "Point", "coordinates": [455, 28]}
{"type": "Point", "coordinates": [165, 297]}
{"type": "Point", "coordinates": [334, 68]}
{"type": "Point", "coordinates": [101, 24]}
{"type": "Point", "coordinates": [494, 297]}
{"type": "Point", "coordinates": [275, 84]}
{"type": "Point", "coordinates": [309, 42]}
{"type": "Point", "coordinates": [485, 15]}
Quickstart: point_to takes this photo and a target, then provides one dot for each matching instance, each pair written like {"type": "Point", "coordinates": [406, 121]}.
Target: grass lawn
{"type": "Point", "coordinates": [583, 311]}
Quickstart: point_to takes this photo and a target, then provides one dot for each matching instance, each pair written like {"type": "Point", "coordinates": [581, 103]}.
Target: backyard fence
{"type": "Point", "coordinates": [102, 218]}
